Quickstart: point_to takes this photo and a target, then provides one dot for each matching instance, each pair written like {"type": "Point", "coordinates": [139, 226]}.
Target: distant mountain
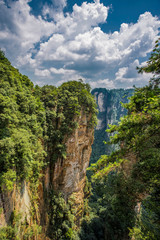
{"type": "Point", "coordinates": [110, 112]}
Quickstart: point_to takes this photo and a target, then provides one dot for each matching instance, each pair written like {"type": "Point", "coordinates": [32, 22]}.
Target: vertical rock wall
{"type": "Point", "coordinates": [18, 200]}
{"type": "Point", "coordinates": [69, 174]}
{"type": "Point", "coordinates": [110, 112]}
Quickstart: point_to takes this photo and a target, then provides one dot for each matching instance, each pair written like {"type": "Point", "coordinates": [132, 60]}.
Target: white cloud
{"type": "Point", "coordinates": [20, 30]}
{"type": "Point", "coordinates": [59, 3]}
{"type": "Point", "coordinates": [42, 73]}
{"type": "Point", "coordinates": [128, 72]}
{"type": "Point", "coordinates": [132, 40]}
{"type": "Point", "coordinates": [105, 83]}
{"type": "Point", "coordinates": [61, 71]}
{"type": "Point", "coordinates": [23, 60]}
{"type": "Point", "coordinates": [129, 75]}
{"type": "Point", "coordinates": [53, 9]}
{"type": "Point", "coordinates": [80, 48]}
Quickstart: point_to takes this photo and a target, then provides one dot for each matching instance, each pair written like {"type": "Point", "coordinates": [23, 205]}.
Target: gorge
{"type": "Point", "coordinates": [61, 122]}
{"type": "Point", "coordinates": [46, 140]}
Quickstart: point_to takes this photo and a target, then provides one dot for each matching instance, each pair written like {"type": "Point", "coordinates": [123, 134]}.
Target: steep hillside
{"type": "Point", "coordinates": [126, 184]}
{"type": "Point", "coordinates": [45, 145]}
{"type": "Point", "coordinates": [110, 112]}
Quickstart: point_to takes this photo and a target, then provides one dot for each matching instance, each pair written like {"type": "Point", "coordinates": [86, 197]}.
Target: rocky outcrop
{"type": "Point", "coordinates": [19, 200]}
{"type": "Point", "coordinates": [68, 176]}
{"type": "Point", "coordinates": [110, 112]}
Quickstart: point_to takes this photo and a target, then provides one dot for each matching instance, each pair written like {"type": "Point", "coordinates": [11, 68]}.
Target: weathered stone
{"type": "Point", "coordinates": [17, 200]}
{"type": "Point", "coordinates": [69, 174]}
{"type": "Point", "coordinates": [110, 112]}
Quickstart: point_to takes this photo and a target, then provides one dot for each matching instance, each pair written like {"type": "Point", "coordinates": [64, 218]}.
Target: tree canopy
{"type": "Point", "coordinates": [129, 178]}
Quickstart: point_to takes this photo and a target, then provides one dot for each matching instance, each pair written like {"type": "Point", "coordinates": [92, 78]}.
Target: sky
{"type": "Point", "coordinates": [99, 41]}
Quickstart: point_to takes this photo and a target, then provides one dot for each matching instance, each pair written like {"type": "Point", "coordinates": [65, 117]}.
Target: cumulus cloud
{"type": "Point", "coordinates": [61, 71]}
{"type": "Point", "coordinates": [59, 3]}
{"type": "Point", "coordinates": [90, 51]}
{"type": "Point", "coordinates": [72, 45]}
{"type": "Point", "coordinates": [20, 30]}
{"type": "Point", "coordinates": [42, 73]}
{"type": "Point", "coordinates": [105, 83]}
{"type": "Point", "coordinates": [128, 72]}
{"type": "Point", "coordinates": [129, 75]}
{"type": "Point", "coordinates": [50, 11]}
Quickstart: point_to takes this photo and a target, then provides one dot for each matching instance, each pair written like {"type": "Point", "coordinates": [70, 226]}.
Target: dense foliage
{"type": "Point", "coordinates": [62, 226]}
{"type": "Point", "coordinates": [126, 184]}
{"type": "Point", "coordinates": [63, 106]}
{"type": "Point", "coordinates": [22, 116]}
{"type": "Point", "coordinates": [34, 126]}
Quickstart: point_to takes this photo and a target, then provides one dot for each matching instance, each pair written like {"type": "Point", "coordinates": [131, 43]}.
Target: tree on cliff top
{"type": "Point", "coordinates": [34, 125]}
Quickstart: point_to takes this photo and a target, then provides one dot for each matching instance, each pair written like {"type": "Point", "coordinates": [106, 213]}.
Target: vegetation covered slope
{"type": "Point", "coordinates": [21, 119]}
{"type": "Point", "coordinates": [126, 185]}
{"type": "Point", "coordinates": [34, 125]}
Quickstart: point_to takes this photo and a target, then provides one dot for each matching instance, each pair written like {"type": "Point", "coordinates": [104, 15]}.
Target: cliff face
{"type": "Point", "coordinates": [45, 144]}
{"type": "Point", "coordinates": [110, 112]}
{"type": "Point", "coordinates": [67, 176]}
{"type": "Point", "coordinates": [15, 200]}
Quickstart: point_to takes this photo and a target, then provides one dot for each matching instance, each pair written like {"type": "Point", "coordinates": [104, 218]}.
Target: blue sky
{"type": "Point", "coordinates": [101, 42]}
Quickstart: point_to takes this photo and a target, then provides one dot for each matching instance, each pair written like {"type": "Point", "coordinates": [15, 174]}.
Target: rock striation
{"type": "Point", "coordinates": [110, 112]}
{"type": "Point", "coordinates": [67, 175]}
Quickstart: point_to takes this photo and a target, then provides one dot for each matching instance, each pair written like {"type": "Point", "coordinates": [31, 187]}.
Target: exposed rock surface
{"type": "Point", "coordinates": [19, 200]}
{"type": "Point", "coordinates": [68, 176]}
{"type": "Point", "coordinates": [110, 112]}
{"type": "Point", "coordinates": [68, 173]}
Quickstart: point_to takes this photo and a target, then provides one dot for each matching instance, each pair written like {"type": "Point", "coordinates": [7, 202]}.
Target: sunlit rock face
{"type": "Point", "coordinates": [101, 101]}
{"type": "Point", "coordinates": [18, 200]}
{"type": "Point", "coordinates": [110, 112]}
{"type": "Point", "coordinates": [69, 175]}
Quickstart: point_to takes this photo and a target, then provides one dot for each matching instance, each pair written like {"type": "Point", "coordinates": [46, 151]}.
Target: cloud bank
{"type": "Point", "coordinates": [56, 46]}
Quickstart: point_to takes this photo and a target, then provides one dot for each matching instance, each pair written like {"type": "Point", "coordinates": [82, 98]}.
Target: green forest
{"type": "Point", "coordinates": [125, 201]}
{"type": "Point", "coordinates": [122, 194]}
